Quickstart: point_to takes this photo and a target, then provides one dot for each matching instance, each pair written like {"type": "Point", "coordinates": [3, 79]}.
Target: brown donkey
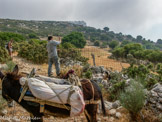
{"type": "Point", "coordinates": [11, 91]}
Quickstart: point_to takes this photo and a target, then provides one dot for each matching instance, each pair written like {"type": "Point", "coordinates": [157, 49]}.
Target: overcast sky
{"type": "Point", "coordinates": [135, 17]}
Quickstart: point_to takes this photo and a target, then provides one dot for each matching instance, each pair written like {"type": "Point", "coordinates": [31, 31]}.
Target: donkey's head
{"type": "Point", "coordinates": [10, 85]}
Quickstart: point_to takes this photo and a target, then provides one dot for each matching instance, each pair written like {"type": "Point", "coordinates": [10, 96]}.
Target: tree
{"type": "Point", "coordinates": [33, 36]}
{"type": "Point", "coordinates": [125, 42]}
{"type": "Point", "coordinates": [113, 44]}
{"type": "Point", "coordinates": [75, 38]}
{"type": "Point", "coordinates": [96, 43]}
{"type": "Point", "coordinates": [139, 38]}
{"type": "Point", "coordinates": [159, 41]}
{"type": "Point", "coordinates": [92, 39]}
{"type": "Point", "coordinates": [106, 29]}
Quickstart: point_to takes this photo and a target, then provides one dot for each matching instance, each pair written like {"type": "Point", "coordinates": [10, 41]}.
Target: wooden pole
{"type": "Point", "coordinates": [93, 57]}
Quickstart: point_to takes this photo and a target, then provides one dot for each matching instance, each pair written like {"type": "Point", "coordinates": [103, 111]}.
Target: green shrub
{"type": "Point", "coordinates": [75, 38]}
{"type": "Point", "coordinates": [138, 52]}
{"type": "Point", "coordinates": [133, 98]}
{"type": "Point", "coordinates": [69, 50]}
{"type": "Point", "coordinates": [113, 44]}
{"type": "Point", "coordinates": [151, 82]}
{"type": "Point", "coordinates": [104, 45]}
{"type": "Point", "coordinates": [4, 56]}
{"type": "Point", "coordinates": [140, 71]}
{"type": "Point", "coordinates": [34, 52]}
{"type": "Point", "coordinates": [97, 43]}
{"type": "Point", "coordinates": [88, 74]}
{"type": "Point", "coordinates": [33, 35]}
{"type": "Point", "coordinates": [6, 36]}
{"type": "Point", "coordinates": [116, 89]}
{"type": "Point", "coordinates": [10, 66]}
{"type": "Point", "coordinates": [150, 66]}
{"type": "Point", "coordinates": [158, 66]}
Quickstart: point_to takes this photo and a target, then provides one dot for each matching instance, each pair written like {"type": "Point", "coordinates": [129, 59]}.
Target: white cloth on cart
{"type": "Point", "coordinates": [54, 80]}
{"type": "Point", "coordinates": [48, 91]}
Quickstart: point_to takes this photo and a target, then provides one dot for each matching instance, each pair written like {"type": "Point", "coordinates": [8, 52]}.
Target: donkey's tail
{"type": "Point", "coordinates": [101, 97]}
{"type": "Point", "coordinates": [103, 105]}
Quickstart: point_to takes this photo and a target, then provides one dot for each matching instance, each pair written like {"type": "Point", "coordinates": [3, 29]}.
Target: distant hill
{"type": "Point", "coordinates": [62, 28]}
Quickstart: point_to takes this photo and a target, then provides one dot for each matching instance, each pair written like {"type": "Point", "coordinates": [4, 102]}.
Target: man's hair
{"type": "Point", "coordinates": [50, 37]}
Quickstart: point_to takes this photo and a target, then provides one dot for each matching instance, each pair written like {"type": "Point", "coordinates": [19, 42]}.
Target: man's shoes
{"type": "Point", "coordinates": [59, 75]}
{"type": "Point", "coordinates": [52, 76]}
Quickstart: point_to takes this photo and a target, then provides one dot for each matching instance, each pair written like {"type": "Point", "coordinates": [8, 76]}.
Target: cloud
{"type": "Point", "coordinates": [127, 16]}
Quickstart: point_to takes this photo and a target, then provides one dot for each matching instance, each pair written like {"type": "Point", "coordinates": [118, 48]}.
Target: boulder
{"type": "Point", "coordinates": [118, 115]}
{"type": "Point", "coordinates": [112, 112]}
{"type": "Point", "coordinates": [3, 112]}
{"type": "Point", "coordinates": [97, 79]}
{"type": "Point", "coordinates": [155, 98]}
{"type": "Point", "coordinates": [116, 104]}
{"type": "Point", "coordinates": [160, 95]}
{"type": "Point", "coordinates": [3, 66]}
{"type": "Point", "coordinates": [157, 88]}
{"type": "Point", "coordinates": [108, 105]}
{"type": "Point", "coordinates": [95, 69]}
{"type": "Point", "coordinates": [111, 119]}
{"type": "Point", "coordinates": [159, 106]}
{"type": "Point", "coordinates": [160, 100]}
{"type": "Point", "coordinates": [154, 94]}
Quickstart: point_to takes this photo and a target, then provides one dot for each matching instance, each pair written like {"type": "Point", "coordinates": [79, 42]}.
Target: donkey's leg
{"type": "Point", "coordinates": [88, 117]}
{"type": "Point", "coordinates": [92, 112]}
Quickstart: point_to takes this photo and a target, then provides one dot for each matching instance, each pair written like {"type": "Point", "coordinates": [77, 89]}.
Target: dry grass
{"type": "Point", "coordinates": [102, 58]}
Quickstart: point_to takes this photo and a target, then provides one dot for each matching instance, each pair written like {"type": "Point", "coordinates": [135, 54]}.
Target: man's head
{"type": "Point", "coordinates": [11, 40]}
{"type": "Point", "coordinates": [50, 38]}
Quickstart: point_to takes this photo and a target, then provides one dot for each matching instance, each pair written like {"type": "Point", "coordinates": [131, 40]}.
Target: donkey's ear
{"type": "Point", "coordinates": [1, 75]}
{"type": "Point", "coordinates": [15, 70]}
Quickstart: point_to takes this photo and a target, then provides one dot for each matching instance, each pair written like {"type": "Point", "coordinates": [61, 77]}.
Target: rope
{"type": "Point", "coordinates": [92, 90]}
{"type": "Point", "coordinates": [86, 113]}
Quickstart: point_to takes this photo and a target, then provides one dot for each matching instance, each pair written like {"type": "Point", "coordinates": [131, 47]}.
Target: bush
{"type": "Point", "coordinates": [113, 44]}
{"type": "Point", "coordinates": [75, 38]}
{"type": "Point", "coordinates": [33, 35]}
{"type": "Point", "coordinates": [96, 43]}
{"type": "Point", "coordinates": [4, 56]}
{"type": "Point", "coordinates": [34, 52]}
{"type": "Point", "coordinates": [6, 36]}
{"type": "Point", "coordinates": [104, 45]}
{"type": "Point", "coordinates": [88, 74]}
{"type": "Point", "coordinates": [116, 89]}
{"type": "Point", "coordinates": [10, 66]}
{"type": "Point", "coordinates": [133, 98]}
{"type": "Point", "coordinates": [138, 52]}
{"type": "Point", "coordinates": [70, 51]}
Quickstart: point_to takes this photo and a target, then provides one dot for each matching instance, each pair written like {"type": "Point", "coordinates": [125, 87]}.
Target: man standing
{"type": "Point", "coordinates": [52, 55]}
{"type": "Point", "coordinates": [9, 47]}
